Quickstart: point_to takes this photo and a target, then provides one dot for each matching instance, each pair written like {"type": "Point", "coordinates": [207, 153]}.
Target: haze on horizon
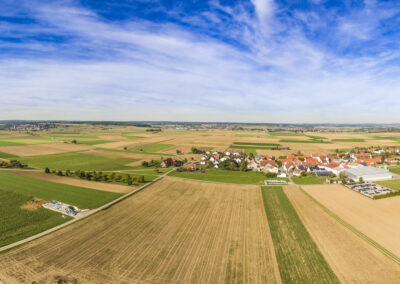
{"type": "Point", "coordinates": [245, 61]}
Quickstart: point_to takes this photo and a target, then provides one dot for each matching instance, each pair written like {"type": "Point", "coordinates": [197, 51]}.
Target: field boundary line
{"type": "Point", "coordinates": [90, 213]}
{"type": "Point", "coordinates": [361, 235]}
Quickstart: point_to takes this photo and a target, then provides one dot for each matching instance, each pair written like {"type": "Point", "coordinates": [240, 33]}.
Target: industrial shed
{"type": "Point", "coordinates": [368, 173]}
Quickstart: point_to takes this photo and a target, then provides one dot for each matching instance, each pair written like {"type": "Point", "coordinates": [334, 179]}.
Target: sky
{"type": "Point", "coordinates": [270, 61]}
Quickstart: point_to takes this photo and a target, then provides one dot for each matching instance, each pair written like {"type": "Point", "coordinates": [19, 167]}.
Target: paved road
{"type": "Point", "coordinates": [91, 212]}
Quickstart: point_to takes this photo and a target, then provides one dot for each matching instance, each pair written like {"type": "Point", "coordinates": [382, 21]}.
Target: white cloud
{"type": "Point", "coordinates": [144, 71]}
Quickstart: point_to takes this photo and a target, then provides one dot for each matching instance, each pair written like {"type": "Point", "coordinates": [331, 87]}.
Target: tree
{"type": "Point", "coordinates": [47, 170]}
{"type": "Point", "coordinates": [243, 166]}
{"type": "Point", "coordinates": [59, 173]}
{"type": "Point", "coordinates": [67, 173]}
{"type": "Point", "coordinates": [178, 152]}
{"type": "Point", "coordinates": [361, 179]}
{"type": "Point", "coordinates": [74, 141]}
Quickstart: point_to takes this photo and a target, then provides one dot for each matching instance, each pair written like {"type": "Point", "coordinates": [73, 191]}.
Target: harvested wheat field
{"type": "Point", "coordinates": [43, 149]}
{"type": "Point", "coordinates": [175, 231]}
{"type": "Point", "coordinates": [76, 182]}
{"type": "Point", "coordinates": [351, 258]}
{"type": "Point", "coordinates": [377, 219]}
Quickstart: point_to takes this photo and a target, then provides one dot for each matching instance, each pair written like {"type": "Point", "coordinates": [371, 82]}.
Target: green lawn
{"type": "Point", "coordinates": [349, 140]}
{"type": "Point", "coordinates": [78, 196]}
{"type": "Point", "coordinates": [23, 141]}
{"type": "Point", "coordinates": [308, 180]}
{"type": "Point", "coordinates": [78, 161]}
{"type": "Point", "coordinates": [17, 224]}
{"type": "Point", "coordinates": [219, 175]}
{"type": "Point", "coordinates": [135, 152]}
{"type": "Point", "coordinates": [299, 259]}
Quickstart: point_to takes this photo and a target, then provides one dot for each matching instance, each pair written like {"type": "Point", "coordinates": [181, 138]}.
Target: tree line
{"type": "Point", "coordinates": [99, 176]}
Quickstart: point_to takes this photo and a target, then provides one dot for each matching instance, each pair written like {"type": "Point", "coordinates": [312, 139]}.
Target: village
{"type": "Point", "coordinates": [341, 167]}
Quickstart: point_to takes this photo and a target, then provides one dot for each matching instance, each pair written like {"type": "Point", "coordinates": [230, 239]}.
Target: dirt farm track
{"type": "Point", "coordinates": [173, 231]}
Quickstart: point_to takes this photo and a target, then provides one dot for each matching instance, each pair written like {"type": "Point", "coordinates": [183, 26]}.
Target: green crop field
{"type": "Point", "coordinates": [78, 161]}
{"type": "Point", "coordinates": [349, 140]}
{"type": "Point", "coordinates": [93, 142]}
{"type": "Point", "coordinates": [152, 148]}
{"type": "Point", "coordinates": [7, 156]}
{"type": "Point", "coordinates": [299, 259]}
{"type": "Point", "coordinates": [226, 176]}
{"type": "Point", "coordinates": [17, 223]}
{"type": "Point", "coordinates": [85, 198]}
{"type": "Point", "coordinates": [22, 141]}
{"type": "Point", "coordinates": [309, 180]}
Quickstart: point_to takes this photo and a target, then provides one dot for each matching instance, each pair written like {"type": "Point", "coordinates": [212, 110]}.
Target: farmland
{"type": "Point", "coordinates": [376, 219]}
{"type": "Point", "coordinates": [344, 259]}
{"type": "Point", "coordinates": [308, 180]}
{"type": "Point", "coordinates": [31, 187]}
{"type": "Point", "coordinates": [299, 259]}
{"type": "Point", "coordinates": [206, 226]}
{"type": "Point", "coordinates": [225, 176]}
{"type": "Point", "coordinates": [17, 223]}
{"type": "Point", "coordinates": [77, 161]}
{"type": "Point", "coordinates": [216, 233]}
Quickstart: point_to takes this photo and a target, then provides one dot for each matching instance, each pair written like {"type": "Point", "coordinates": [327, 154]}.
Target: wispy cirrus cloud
{"type": "Point", "coordinates": [248, 61]}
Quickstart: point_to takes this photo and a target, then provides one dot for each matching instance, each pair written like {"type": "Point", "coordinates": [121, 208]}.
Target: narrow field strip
{"type": "Point", "coordinates": [355, 231]}
{"type": "Point", "coordinates": [299, 259]}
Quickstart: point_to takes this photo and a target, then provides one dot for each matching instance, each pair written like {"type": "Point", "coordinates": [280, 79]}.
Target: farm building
{"type": "Point", "coordinates": [368, 173]}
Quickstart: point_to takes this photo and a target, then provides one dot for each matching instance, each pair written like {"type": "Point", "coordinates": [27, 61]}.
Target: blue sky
{"type": "Point", "coordinates": [252, 61]}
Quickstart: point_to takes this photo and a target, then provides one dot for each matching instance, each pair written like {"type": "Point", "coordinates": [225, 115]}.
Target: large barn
{"type": "Point", "coordinates": [368, 173]}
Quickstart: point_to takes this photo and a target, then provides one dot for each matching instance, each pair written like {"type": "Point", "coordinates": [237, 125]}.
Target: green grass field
{"type": "Point", "coordinates": [392, 184]}
{"type": "Point", "coordinates": [255, 144]}
{"type": "Point", "coordinates": [308, 180]}
{"type": "Point", "coordinates": [23, 141]}
{"type": "Point", "coordinates": [152, 148]}
{"type": "Point", "coordinates": [7, 156]}
{"type": "Point", "coordinates": [85, 198]}
{"type": "Point", "coordinates": [299, 259]}
{"type": "Point", "coordinates": [17, 223]}
{"type": "Point", "coordinates": [250, 151]}
{"type": "Point", "coordinates": [78, 161]}
{"type": "Point", "coordinates": [219, 175]}
{"type": "Point", "coordinates": [93, 142]}
{"type": "Point", "coordinates": [395, 169]}
{"type": "Point", "coordinates": [349, 140]}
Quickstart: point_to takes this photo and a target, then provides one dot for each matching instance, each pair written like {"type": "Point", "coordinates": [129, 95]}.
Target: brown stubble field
{"type": "Point", "coordinates": [377, 219]}
{"type": "Point", "coordinates": [43, 149]}
{"type": "Point", "coordinates": [352, 259]}
{"type": "Point", "coordinates": [174, 231]}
